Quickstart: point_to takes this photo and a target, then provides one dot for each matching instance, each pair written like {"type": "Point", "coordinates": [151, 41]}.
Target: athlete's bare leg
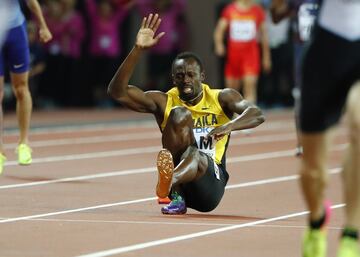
{"type": "Point", "coordinates": [296, 95]}
{"type": "Point", "coordinates": [351, 172]}
{"type": "Point", "coordinates": [250, 88]}
{"type": "Point", "coordinates": [314, 171]}
{"type": "Point", "coordinates": [178, 138]}
{"type": "Point", "coordinates": [233, 83]}
{"type": "Point", "coordinates": [1, 113]}
{"type": "Point", "coordinates": [248, 84]}
{"type": "Point", "coordinates": [23, 103]}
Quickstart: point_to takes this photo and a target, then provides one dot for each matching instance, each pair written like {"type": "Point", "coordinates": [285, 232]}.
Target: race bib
{"type": "Point", "coordinates": [242, 30]}
{"type": "Point", "coordinates": [205, 145]}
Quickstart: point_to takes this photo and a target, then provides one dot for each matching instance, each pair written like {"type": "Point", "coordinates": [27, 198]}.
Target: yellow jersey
{"type": "Point", "coordinates": [207, 115]}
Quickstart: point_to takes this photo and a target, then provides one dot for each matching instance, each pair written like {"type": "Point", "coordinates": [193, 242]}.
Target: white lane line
{"type": "Point", "coordinates": [294, 226]}
{"type": "Point", "coordinates": [246, 184]}
{"type": "Point", "coordinates": [141, 137]}
{"type": "Point", "coordinates": [235, 140]}
{"type": "Point", "coordinates": [94, 155]}
{"type": "Point", "coordinates": [254, 157]}
{"type": "Point", "coordinates": [275, 180]}
{"type": "Point", "coordinates": [136, 222]}
{"type": "Point", "coordinates": [151, 123]}
{"type": "Point", "coordinates": [271, 138]}
{"type": "Point", "coordinates": [277, 154]}
{"type": "Point", "coordinates": [77, 210]}
{"type": "Point", "coordinates": [90, 140]}
{"type": "Point", "coordinates": [146, 136]}
{"type": "Point", "coordinates": [149, 244]}
{"type": "Point", "coordinates": [79, 178]}
{"type": "Point", "coordinates": [140, 150]}
{"type": "Point", "coordinates": [166, 223]}
{"type": "Point", "coordinates": [55, 129]}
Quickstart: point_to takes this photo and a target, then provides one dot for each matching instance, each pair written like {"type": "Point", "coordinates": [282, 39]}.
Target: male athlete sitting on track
{"type": "Point", "coordinates": [195, 122]}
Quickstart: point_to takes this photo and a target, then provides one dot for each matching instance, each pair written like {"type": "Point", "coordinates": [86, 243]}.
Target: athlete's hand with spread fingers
{"type": "Point", "coordinates": [146, 36]}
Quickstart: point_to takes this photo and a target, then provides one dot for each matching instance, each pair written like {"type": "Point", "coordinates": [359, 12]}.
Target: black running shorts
{"type": "Point", "coordinates": [331, 66]}
{"type": "Point", "coordinates": [205, 193]}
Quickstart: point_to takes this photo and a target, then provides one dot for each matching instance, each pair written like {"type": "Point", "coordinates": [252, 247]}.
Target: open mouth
{"type": "Point", "coordinates": [187, 90]}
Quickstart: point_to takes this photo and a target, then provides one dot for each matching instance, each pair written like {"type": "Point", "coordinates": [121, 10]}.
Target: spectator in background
{"type": "Point", "coordinates": [276, 86]}
{"type": "Point", "coordinates": [105, 47]}
{"type": "Point", "coordinates": [71, 41]}
{"type": "Point", "coordinates": [221, 59]}
{"type": "Point", "coordinates": [53, 79]}
{"type": "Point", "coordinates": [243, 22]}
{"type": "Point", "coordinates": [302, 14]}
{"type": "Point", "coordinates": [174, 24]}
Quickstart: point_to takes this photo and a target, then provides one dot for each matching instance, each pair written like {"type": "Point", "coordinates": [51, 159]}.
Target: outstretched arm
{"type": "Point", "coordinates": [44, 32]}
{"type": "Point", "coordinates": [243, 114]}
{"type": "Point", "coordinates": [119, 88]}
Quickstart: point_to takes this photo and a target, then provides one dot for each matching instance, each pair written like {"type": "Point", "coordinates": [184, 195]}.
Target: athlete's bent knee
{"type": "Point", "coordinates": [180, 115]}
{"type": "Point", "coordinates": [20, 92]}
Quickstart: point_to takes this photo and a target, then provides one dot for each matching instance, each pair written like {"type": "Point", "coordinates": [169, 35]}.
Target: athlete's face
{"type": "Point", "coordinates": [187, 77]}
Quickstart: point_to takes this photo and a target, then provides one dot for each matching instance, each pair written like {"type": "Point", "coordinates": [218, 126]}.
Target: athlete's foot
{"type": "Point", "coordinates": [176, 207]}
{"type": "Point", "coordinates": [349, 247]}
{"type": "Point", "coordinates": [315, 240]}
{"type": "Point", "coordinates": [24, 154]}
{"type": "Point", "coordinates": [314, 243]}
{"type": "Point", "coordinates": [165, 167]}
{"type": "Point", "coordinates": [2, 162]}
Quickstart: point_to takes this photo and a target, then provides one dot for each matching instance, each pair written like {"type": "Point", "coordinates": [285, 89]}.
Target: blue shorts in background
{"type": "Point", "coordinates": [15, 51]}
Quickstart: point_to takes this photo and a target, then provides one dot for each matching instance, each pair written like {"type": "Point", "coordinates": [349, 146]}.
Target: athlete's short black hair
{"type": "Point", "coordinates": [188, 55]}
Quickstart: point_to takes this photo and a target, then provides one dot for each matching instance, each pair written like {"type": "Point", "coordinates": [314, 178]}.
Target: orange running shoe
{"type": "Point", "coordinates": [165, 167]}
{"type": "Point", "coordinates": [165, 200]}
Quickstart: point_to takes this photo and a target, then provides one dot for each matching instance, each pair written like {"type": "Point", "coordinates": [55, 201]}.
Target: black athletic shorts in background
{"type": "Point", "coordinates": [331, 66]}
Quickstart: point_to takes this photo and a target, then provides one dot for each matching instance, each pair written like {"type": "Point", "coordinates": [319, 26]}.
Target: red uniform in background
{"type": "Point", "coordinates": [243, 52]}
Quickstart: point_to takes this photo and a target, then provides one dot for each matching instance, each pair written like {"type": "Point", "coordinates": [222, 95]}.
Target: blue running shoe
{"type": "Point", "coordinates": [176, 207]}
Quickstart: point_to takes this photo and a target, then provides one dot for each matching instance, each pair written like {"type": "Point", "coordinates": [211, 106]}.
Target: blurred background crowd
{"type": "Point", "coordinates": [91, 38]}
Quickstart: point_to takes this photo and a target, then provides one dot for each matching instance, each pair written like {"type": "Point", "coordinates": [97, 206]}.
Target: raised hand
{"type": "Point", "coordinates": [146, 36]}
